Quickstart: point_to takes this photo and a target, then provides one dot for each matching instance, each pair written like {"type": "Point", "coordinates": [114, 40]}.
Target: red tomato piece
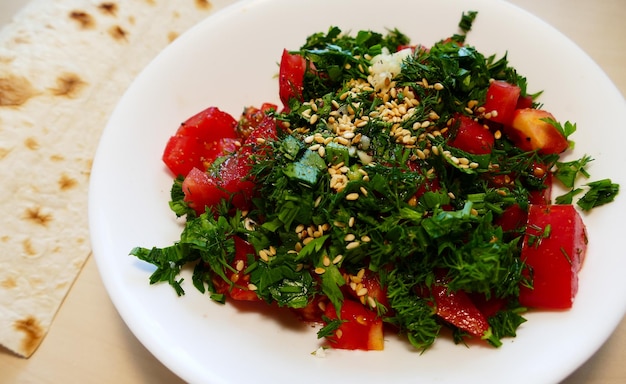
{"type": "Point", "coordinates": [182, 153]}
{"type": "Point", "coordinates": [530, 132]}
{"type": "Point", "coordinates": [199, 141]}
{"type": "Point", "coordinates": [362, 328]}
{"type": "Point", "coordinates": [513, 218]}
{"type": "Point", "coordinates": [472, 136]}
{"type": "Point", "coordinates": [209, 125]}
{"type": "Point", "coordinates": [458, 309]}
{"type": "Point", "coordinates": [554, 248]}
{"type": "Point", "coordinates": [201, 190]}
{"type": "Point", "coordinates": [502, 98]}
{"type": "Point", "coordinates": [235, 179]}
{"type": "Point", "coordinates": [252, 117]}
{"type": "Point", "coordinates": [524, 102]}
{"type": "Point", "coordinates": [237, 285]}
{"type": "Point", "coordinates": [291, 77]}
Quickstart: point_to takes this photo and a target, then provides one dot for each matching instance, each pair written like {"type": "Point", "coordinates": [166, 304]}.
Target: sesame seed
{"type": "Point", "coordinates": [326, 261]}
{"type": "Point", "coordinates": [371, 302]}
{"type": "Point", "coordinates": [264, 255]}
{"type": "Point", "coordinates": [365, 239]}
{"type": "Point", "coordinates": [361, 292]}
{"type": "Point", "coordinates": [319, 270]}
{"type": "Point", "coordinates": [337, 259]}
{"type": "Point", "coordinates": [438, 86]}
{"type": "Point", "coordinates": [353, 245]}
{"type": "Point", "coordinates": [239, 266]}
{"type": "Point", "coordinates": [351, 222]}
{"type": "Point", "coordinates": [321, 151]}
{"type": "Point", "coordinates": [497, 135]}
{"type": "Point", "coordinates": [252, 287]}
{"type": "Point", "coordinates": [451, 195]}
{"type": "Point", "coordinates": [352, 196]}
{"type": "Point", "coordinates": [314, 147]}
{"type": "Point", "coordinates": [349, 237]}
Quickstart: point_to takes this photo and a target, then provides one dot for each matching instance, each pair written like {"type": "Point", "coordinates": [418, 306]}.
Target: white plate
{"type": "Point", "coordinates": [230, 61]}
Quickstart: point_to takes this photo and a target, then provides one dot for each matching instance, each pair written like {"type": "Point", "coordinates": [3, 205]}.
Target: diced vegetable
{"type": "Point", "coordinates": [471, 136]}
{"type": "Point", "coordinates": [554, 249]}
{"type": "Point", "coordinates": [502, 99]}
{"type": "Point", "coordinates": [291, 77]}
{"type": "Point", "coordinates": [530, 131]}
{"type": "Point", "coordinates": [360, 327]}
{"type": "Point", "coordinates": [200, 140]}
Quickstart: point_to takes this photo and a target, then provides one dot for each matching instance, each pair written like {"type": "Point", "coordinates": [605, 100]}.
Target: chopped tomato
{"type": "Point", "coordinates": [513, 218]}
{"type": "Point", "coordinates": [529, 131]}
{"type": "Point", "coordinates": [252, 117]}
{"type": "Point", "coordinates": [291, 77]}
{"type": "Point", "coordinates": [501, 101]}
{"type": "Point", "coordinates": [361, 329]}
{"type": "Point", "coordinates": [554, 249]}
{"type": "Point", "coordinates": [182, 153]}
{"type": "Point", "coordinates": [472, 136]}
{"type": "Point", "coordinates": [199, 141]}
{"type": "Point", "coordinates": [235, 178]}
{"type": "Point", "coordinates": [458, 309]}
{"type": "Point", "coordinates": [237, 285]}
{"type": "Point", "coordinates": [524, 102]}
{"type": "Point", "coordinates": [201, 190]}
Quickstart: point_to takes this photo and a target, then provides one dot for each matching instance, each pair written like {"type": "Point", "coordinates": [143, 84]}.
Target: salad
{"type": "Point", "coordinates": [397, 188]}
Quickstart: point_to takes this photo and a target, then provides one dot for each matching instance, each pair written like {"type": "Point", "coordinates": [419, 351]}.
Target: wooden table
{"type": "Point", "coordinates": [89, 343]}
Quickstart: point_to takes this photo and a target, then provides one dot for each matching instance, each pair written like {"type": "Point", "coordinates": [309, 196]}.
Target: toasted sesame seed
{"type": "Point", "coordinates": [319, 270]}
{"type": "Point", "coordinates": [438, 86]}
{"type": "Point", "coordinates": [365, 239]}
{"type": "Point", "coordinates": [349, 237]}
{"type": "Point", "coordinates": [361, 292]}
{"type": "Point", "coordinates": [321, 151]}
{"type": "Point", "coordinates": [337, 259]}
{"type": "Point", "coordinates": [353, 245]}
{"type": "Point", "coordinates": [264, 255]}
{"type": "Point", "coordinates": [317, 201]}
{"type": "Point", "coordinates": [351, 222]}
{"type": "Point", "coordinates": [360, 273]}
{"type": "Point", "coordinates": [239, 266]}
{"type": "Point", "coordinates": [326, 261]}
{"type": "Point", "coordinates": [252, 287]}
{"type": "Point", "coordinates": [352, 196]}
{"type": "Point", "coordinates": [473, 212]}
{"type": "Point", "coordinates": [307, 240]}
{"type": "Point", "coordinates": [314, 147]}
{"type": "Point", "coordinates": [497, 135]}
{"type": "Point", "coordinates": [299, 228]}
{"type": "Point", "coordinates": [451, 195]}
{"type": "Point", "coordinates": [371, 302]}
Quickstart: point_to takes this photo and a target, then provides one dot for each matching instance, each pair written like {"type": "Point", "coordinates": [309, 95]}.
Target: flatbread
{"type": "Point", "coordinates": [63, 66]}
